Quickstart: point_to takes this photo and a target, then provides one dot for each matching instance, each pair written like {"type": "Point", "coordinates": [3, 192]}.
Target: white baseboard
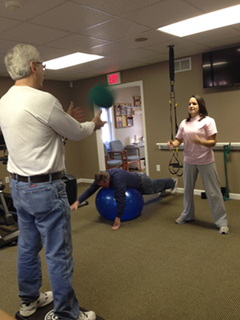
{"type": "Point", "coordinates": [234, 196]}
{"type": "Point", "coordinates": [85, 180]}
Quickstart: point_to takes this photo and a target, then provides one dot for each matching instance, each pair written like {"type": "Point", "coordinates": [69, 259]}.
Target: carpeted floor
{"type": "Point", "coordinates": [151, 268]}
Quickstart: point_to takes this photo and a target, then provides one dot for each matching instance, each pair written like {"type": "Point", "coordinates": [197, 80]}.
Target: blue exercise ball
{"type": "Point", "coordinates": [107, 205]}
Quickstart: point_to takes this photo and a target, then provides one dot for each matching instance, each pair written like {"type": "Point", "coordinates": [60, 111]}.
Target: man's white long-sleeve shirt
{"type": "Point", "coordinates": [33, 123]}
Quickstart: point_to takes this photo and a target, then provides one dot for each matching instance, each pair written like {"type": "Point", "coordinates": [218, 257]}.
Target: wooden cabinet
{"type": "Point", "coordinates": [123, 114]}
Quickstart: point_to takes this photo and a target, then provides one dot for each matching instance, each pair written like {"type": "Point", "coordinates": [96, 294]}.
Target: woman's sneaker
{"type": "Point", "coordinates": [181, 220]}
{"type": "Point", "coordinates": [27, 309]}
{"type": "Point", "coordinates": [224, 230]}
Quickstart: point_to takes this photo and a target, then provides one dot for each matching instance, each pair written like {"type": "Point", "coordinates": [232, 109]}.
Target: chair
{"type": "Point", "coordinates": [110, 162]}
{"type": "Point", "coordinates": [117, 146]}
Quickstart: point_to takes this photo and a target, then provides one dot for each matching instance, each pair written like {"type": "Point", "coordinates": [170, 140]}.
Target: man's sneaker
{"type": "Point", "coordinates": [87, 315]}
{"type": "Point", "coordinates": [27, 309]}
{"type": "Point", "coordinates": [224, 230]}
{"type": "Point", "coordinates": [50, 316]}
{"type": "Point", "coordinates": [174, 189]}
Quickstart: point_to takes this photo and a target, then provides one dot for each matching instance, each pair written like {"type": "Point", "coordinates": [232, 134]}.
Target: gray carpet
{"type": "Point", "coordinates": [151, 268]}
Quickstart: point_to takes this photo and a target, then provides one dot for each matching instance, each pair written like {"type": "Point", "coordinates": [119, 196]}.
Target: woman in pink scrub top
{"type": "Point", "coordinates": [198, 133]}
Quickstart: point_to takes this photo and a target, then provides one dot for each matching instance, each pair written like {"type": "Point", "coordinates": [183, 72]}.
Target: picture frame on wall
{"type": "Point", "coordinates": [117, 110]}
{"type": "Point", "coordinates": [130, 122]}
{"type": "Point", "coordinates": [119, 122]}
{"type": "Point", "coordinates": [137, 101]}
{"type": "Point", "coordinates": [129, 110]}
{"type": "Point", "coordinates": [124, 110]}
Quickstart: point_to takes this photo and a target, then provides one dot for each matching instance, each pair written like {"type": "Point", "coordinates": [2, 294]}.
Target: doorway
{"type": "Point", "coordinates": [112, 124]}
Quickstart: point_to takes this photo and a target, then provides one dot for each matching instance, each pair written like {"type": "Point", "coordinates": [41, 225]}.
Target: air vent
{"type": "Point", "coordinates": [183, 65]}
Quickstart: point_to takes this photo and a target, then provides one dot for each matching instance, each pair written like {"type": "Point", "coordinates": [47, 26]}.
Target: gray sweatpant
{"type": "Point", "coordinates": [210, 180]}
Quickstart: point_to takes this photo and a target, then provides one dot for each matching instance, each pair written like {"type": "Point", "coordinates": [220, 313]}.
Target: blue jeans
{"type": "Point", "coordinates": [44, 218]}
{"type": "Point", "coordinates": [151, 186]}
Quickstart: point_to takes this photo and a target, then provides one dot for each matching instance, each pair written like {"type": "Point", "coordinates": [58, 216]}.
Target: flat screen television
{"type": "Point", "coordinates": [221, 68]}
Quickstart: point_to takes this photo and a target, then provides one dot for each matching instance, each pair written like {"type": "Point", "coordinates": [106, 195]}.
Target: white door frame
{"type": "Point", "coordinates": [101, 161]}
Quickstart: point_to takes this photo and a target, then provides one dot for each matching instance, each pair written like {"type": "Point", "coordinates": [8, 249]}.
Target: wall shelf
{"type": "Point", "coordinates": [123, 114]}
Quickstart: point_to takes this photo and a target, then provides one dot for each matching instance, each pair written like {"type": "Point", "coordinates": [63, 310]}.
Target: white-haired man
{"type": "Point", "coordinates": [33, 123]}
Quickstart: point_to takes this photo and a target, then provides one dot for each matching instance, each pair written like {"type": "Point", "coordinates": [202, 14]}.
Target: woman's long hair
{"type": "Point", "coordinates": [202, 108]}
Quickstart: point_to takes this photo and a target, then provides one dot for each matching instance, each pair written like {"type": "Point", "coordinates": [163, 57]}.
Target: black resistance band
{"type": "Point", "coordinates": [174, 166]}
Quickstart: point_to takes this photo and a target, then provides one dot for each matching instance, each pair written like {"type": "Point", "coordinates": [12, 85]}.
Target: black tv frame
{"type": "Point", "coordinates": [221, 68]}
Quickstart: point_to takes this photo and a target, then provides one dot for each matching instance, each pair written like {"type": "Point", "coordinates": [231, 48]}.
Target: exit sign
{"type": "Point", "coordinates": [114, 78]}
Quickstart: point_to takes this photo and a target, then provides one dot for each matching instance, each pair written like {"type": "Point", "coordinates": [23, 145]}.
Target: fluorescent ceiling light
{"type": "Point", "coordinates": [209, 21]}
{"type": "Point", "coordinates": [70, 60]}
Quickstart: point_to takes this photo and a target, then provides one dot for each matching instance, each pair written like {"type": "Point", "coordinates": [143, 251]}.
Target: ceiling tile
{"type": "Point", "coordinates": [72, 17]}
{"type": "Point", "coordinates": [180, 45]}
{"type": "Point", "coordinates": [154, 58]}
{"type": "Point", "coordinates": [33, 34]}
{"type": "Point", "coordinates": [213, 35]}
{"type": "Point", "coordinates": [76, 42]}
{"type": "Point", "coordinates": [6, 24]}
{"type": "Point", "coordinates": [223, 42]}
{"type": "Point", "coordinates": [153, 36]}
{"type": "Point", "coordinates": [115, 29]}
{"type": "Point", "coordinates": [208, 6]}
{"type": "Point", "coordinates": [52, 53]}
{"type": "Point", "coordinates": [163, 13]}
{"type": "Point", "coordinates": [6, 45]}
{"type": "Point", "coordinates": [110, 49]}
{"type": "Point", "coordinates": [30, 8]}
{"type": "Point", "coordinates": [118, 8]}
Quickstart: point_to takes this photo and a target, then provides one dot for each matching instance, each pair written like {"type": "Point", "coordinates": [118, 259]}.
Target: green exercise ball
{"type": "Point", "coordinates": [101, 95]}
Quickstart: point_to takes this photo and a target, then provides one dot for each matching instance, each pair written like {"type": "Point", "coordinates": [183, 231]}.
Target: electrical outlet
{"type": "Point", "coordinates": [6, 179]}
{"type": "Point", "coordinates": [158, 167]}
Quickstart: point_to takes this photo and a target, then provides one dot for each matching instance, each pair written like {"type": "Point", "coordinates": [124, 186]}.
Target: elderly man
{"type": "Point", "coordinates": [33, 123]}
{"type": "Point", "coordinates": [120, 180]}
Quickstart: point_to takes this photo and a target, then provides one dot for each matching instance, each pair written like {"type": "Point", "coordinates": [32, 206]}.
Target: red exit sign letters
{"type": "Point", "coordinates": [114, 78]}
